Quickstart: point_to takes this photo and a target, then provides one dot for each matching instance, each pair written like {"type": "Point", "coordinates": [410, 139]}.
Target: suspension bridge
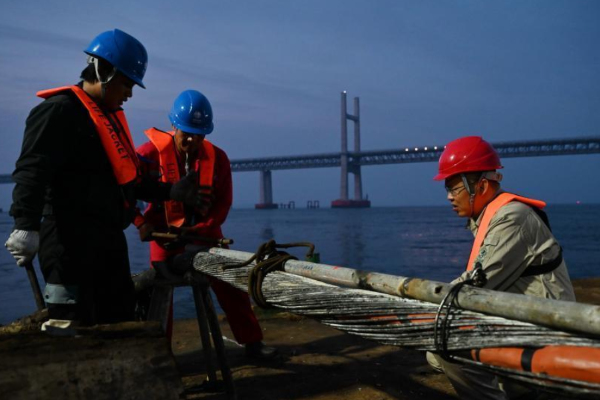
{"type": "Point", "coordinates": [356, 160]}
{"type": "Point", "coordinates": [351, 162]}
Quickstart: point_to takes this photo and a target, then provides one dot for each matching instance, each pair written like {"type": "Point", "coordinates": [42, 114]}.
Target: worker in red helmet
{"type": "Point", "coordinates": [514, 247]}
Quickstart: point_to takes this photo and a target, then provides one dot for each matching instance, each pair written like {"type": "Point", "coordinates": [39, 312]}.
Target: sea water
{"type": "Point", "coordinates": [425, 242]}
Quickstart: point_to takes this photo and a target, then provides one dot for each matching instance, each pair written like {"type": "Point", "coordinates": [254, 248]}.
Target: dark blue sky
{"type": "Point", "coordinates": [426, 72]}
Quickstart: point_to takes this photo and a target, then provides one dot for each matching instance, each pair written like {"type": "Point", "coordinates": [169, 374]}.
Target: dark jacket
{"type": "Point", "coordinates": [63, 171]}
{"type": "Point", "coordinates": [65, 189]}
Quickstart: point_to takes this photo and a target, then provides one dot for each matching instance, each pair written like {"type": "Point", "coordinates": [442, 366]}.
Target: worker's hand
{"type": "Point", "coordinates": [23, 245]}
{"type": "Point", "coordinates": [186, 190]}
{"type": "Point", "coordinates": [187, 231]}
{"type": "Point", "coordinates": [145, 231]}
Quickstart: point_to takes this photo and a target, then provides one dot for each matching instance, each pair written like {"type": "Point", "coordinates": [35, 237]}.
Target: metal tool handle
{"type": "Point", "coordinates": [173, 236]}
{"type": "Point", "coordinates": [35, 286]}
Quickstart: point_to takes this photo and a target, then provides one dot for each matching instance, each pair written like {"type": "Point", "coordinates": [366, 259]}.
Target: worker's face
{"type": "Point", "coordinates": [118, 90]}
{"type": "Point", "coordinates": [186, 142]}
{"type": "Point", "coordinates": [458, 196]}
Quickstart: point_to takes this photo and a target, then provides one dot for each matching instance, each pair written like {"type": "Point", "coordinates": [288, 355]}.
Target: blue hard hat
{"type": "Point", "coordinates": [122, 51]}
{"type": "Point", "coordinates": [192, 113]}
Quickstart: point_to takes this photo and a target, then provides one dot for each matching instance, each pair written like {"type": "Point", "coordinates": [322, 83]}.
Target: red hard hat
{"type": "Point", "coordinates": [467, 154]}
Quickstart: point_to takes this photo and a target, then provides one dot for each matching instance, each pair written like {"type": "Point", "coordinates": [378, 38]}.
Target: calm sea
{"type": "Point", "coordinates": [425, 242]}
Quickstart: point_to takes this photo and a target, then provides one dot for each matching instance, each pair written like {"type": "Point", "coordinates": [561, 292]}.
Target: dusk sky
{"type": "Point", "coordinates": [426, 72]}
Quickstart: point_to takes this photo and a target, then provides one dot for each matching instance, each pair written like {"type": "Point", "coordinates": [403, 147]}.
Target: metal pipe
{"type": "Point", "coordinates": [217, 338]}
{"type": "Point", "coordinates": [175, 236]}
{"type": "Point", "coordinates": [202, 319]}
{"type": "Point", "coordinates": [562, 315]}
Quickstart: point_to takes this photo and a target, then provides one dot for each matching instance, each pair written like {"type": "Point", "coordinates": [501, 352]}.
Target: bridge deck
{"type": "Point", "coordinates": [573, 146]}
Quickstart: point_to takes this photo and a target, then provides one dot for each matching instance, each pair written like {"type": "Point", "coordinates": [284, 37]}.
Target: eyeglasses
{"type": "Point", "coordinates": [454, 191]}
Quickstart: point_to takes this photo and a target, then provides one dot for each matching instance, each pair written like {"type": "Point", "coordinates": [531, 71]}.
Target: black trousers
{"type": "Point", "coordinates": [93, 258]}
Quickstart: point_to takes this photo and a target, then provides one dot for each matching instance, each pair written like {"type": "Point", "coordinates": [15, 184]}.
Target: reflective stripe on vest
{"type": "Point", "coordinates": [169, 165]}
{"type": "Point", "coordinates": [489, 212]}
{"type": "Point", "coordinates": [119, 150]}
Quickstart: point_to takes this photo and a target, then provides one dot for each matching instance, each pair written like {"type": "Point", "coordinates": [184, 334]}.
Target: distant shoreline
{"type": "Point", "coordinates": [302, 206]}
{"type": "Point", "coordinates": [327, 207]}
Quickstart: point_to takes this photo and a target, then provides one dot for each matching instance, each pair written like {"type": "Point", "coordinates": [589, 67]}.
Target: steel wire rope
{"type": "Point", "coordinates": [352, 311]}
{"type": "Point", "coordinates": [268, 259]}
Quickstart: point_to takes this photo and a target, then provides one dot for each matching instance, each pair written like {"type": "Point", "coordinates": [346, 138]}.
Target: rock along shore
{"type": "Point", "coordinates": [134, 361]}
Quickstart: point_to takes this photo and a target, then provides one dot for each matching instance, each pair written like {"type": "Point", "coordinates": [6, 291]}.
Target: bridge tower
{"type": "Point", "coordinates": [348, 166]}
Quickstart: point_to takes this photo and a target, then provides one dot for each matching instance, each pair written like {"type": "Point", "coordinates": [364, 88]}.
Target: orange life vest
{"type": "Point", "coordinates": [491, 209]}
{"type": "Point", "coordinates": [205, 165]}
{"type": "Point", "coordinates": [118, 147]}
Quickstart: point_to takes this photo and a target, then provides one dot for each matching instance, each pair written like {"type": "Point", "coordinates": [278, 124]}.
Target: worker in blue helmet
{"type": "Point", "coordinates": [77, 181]}
{"type": "Point", "coordinates": [192, 113]}
{"type": "Point", "coordinates": [116, 61]}
{"type": "Point", "coordinates": [124, 52]}
{"type": "Point", "coordinates": [168, 156]}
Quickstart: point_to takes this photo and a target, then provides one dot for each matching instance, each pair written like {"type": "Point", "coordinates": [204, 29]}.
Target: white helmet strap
{"type": "Point", "coordinates": [94, 60]}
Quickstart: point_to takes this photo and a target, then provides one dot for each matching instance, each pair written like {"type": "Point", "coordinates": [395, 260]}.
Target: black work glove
{"type": "Point", "coordinates": [145, 231]}
{"type": "Point", "coordinates": [206, 200]}
{"type": "Point", "coordinates": [187, 190]}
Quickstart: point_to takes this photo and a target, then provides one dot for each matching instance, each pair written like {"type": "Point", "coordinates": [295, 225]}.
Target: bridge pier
{"type": "Point", "coordinates": [266, 191]}
{"type": "Point", "coordinates": [348, 166]}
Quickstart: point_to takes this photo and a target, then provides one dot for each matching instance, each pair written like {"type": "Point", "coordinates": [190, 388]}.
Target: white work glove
{"type": "Point", "coordinates": [23, 245]}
